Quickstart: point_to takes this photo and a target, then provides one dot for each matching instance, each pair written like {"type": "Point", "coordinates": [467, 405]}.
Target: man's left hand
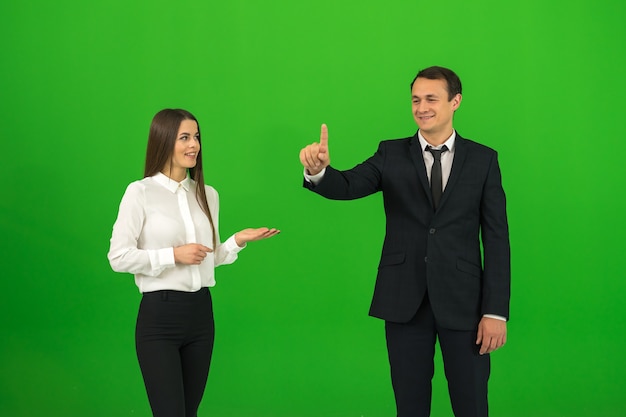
{"type": "Point", "coordinates": [491, 334]}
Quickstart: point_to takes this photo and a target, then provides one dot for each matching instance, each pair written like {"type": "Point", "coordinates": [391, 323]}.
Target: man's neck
{"type": "Point", "coordinates": [437, 138]}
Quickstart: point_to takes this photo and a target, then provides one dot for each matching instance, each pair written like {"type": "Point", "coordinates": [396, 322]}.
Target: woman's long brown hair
{"type": "Point", "coordinates": [161, 141]}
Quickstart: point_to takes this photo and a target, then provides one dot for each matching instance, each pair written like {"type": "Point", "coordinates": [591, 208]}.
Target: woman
{"type": "Point", "coordinates": [166, 234]}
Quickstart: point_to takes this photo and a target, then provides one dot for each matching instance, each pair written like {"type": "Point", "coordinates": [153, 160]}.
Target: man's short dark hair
{"type": "Point", "coordinates": [453, 83]}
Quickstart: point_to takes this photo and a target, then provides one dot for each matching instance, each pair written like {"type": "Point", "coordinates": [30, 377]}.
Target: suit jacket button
{"type": "Point", "coordinates": [432, 231]}
{"type": "Point", "coordinates": [425, 258]}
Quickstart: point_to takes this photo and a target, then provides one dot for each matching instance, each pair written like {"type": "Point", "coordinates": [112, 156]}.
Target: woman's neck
{"type": "Point", "coordinates": [176, 175]}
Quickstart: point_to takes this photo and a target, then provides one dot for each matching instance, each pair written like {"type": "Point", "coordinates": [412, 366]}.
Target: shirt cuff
{"type": "Point", "coordinates": [161, 258]}
{"type": "Point", "coordinates": [494, 316]}
{"type": "Point", "coordinates": [231, 245]}
{"type": "Point", "coordinates": [314, 179]}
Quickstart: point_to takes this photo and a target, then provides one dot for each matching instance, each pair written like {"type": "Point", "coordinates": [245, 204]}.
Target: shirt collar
{"type": "Point", "coordinates": [170, 184]}
{"type": "Point", "coordinates": [449, 142]}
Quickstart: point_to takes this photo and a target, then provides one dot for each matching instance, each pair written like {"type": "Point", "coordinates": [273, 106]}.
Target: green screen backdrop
{"type": "Point", "coordinates": [79, 83]}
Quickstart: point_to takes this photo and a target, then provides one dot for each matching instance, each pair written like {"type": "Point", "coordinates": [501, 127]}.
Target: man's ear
{"type": "Point", "coordinates": [456, 101]}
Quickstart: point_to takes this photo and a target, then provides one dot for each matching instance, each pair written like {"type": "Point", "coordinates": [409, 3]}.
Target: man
{"type": "Point", "coordinates": [442, 196]}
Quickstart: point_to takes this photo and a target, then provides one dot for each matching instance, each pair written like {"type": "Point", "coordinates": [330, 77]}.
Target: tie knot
{"type": "Point", "coordinates": [437, 152]}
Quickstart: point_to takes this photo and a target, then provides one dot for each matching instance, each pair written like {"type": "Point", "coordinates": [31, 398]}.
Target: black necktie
{"type": "Point", "coordinates": [435, 174]}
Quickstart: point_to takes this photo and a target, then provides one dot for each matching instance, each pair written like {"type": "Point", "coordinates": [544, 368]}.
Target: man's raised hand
{"type": "Point", "coordinates": [315, 157]}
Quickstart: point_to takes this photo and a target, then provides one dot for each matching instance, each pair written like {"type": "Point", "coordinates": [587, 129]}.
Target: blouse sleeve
{"type": "Point", "coordinates": [227, 252]}
{"type": "Point", "coordinates": [124, 255]}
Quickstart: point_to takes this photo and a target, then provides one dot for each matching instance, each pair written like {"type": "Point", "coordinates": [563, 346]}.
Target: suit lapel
{"type": "Point", "coordinates": [418, 161]}
{"type": "Point", "coordinates": [460, 152]}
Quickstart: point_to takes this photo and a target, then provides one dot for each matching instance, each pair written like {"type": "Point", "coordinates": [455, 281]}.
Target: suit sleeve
{"type": "Point", "coordinates": [495, 239]}
{"type": "Point", "coordinates": [360, 181]}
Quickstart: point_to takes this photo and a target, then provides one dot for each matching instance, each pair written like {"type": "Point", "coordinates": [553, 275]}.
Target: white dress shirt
{"type": "Point", "coordinates": [446, 157]}
{"type": "Point", "coordinates": [156, 215]}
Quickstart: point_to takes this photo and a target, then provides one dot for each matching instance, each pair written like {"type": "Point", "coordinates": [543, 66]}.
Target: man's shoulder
{"type": "Point", "coordinates": [397, 143]}
{"type": "Point", "coordinates": [472, 145]}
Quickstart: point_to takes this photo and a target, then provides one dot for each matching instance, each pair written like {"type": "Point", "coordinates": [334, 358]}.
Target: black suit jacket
{"type": "Point", "coordinates": [435, 252]}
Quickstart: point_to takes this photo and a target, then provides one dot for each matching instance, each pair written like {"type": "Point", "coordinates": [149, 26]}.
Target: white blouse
{"type": "Point", "coordinates": [156, 215]}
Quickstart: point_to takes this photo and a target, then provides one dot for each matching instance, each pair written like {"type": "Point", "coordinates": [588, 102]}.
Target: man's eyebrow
{"type": "Point", "coordinates": [427, 96]}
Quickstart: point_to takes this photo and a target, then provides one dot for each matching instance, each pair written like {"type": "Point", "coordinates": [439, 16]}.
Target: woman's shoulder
{"type": "Point", "coordinates": [210, 190]}
{"type": "Point", "coordinates": [138, 186]}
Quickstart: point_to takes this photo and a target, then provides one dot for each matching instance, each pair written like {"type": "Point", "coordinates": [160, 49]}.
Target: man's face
{"type": "Point", "coordinates": [432, 110]}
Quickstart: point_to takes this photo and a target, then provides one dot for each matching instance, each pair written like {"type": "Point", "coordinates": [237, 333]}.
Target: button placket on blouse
{"type": "Point", "coordinates": [190, 232]}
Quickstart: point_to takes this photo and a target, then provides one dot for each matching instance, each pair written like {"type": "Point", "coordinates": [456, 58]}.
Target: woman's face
{"type": "Point", "coordinates": [186, 150]}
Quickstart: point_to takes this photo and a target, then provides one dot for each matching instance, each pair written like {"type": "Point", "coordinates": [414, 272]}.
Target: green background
{"type": "Point", "coordinates": [79, 83]}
